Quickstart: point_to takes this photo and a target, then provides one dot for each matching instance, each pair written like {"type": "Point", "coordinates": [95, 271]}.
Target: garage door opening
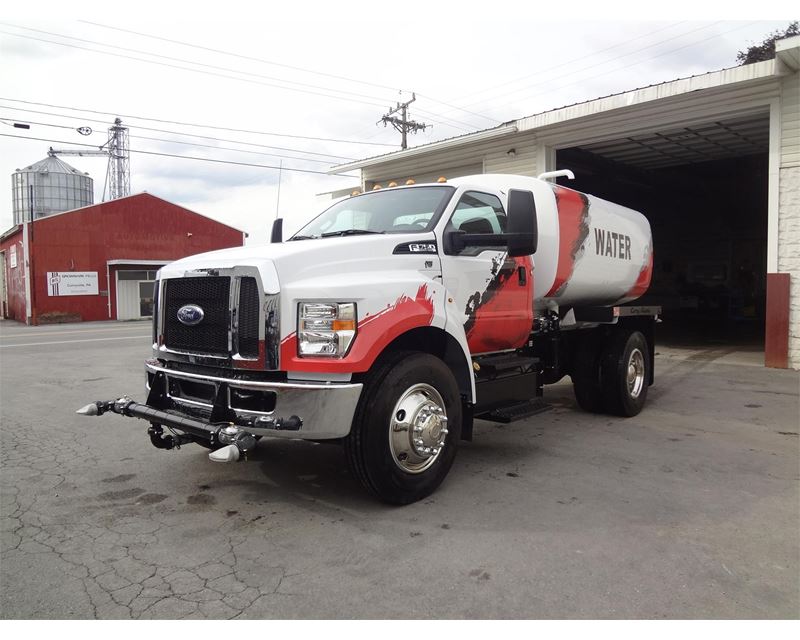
{"type": "Point", "coordinates": [704, 190]}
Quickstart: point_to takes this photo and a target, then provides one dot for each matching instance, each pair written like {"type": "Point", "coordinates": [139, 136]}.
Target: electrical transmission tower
{"type": "Point", "coordinates": [403, 124]}
{"type": "Point", "coordinates": [117, 149]}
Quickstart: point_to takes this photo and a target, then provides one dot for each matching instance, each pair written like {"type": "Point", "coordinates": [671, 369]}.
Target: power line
{"type": "Point", "coordinates": [191, 124]}
{"type": "Point", "coordinates": [191, 144]}
{"type": "Point", "coordinates": [211, 146]}
{"type": "Point", "coordinates": [241, 56]}
{"type": "Point", "coordinates": [598, 64]}
{"type": "Point", "coordinates": [278, 64]}
{"type": "Point", "coordinates": [580, 69]}
{"type": "Point", "coordinates": [200, 71]}
{"type": "Point", "coordinates": [633, 64]}
{"type": "Point", "coordinates": [191, 62]}
{"type": "Point", "coordinates": [182, 157]}
{"type": "Point", "coordinates": [457, 108]}
{"type": "Point", "coordinates": [179, 133]}
{"type": "Point", "coordinates": [569, 62]}
{"type": "Point", "coordinates": [183, 60]}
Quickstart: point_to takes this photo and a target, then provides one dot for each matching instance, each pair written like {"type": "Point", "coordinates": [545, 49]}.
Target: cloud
{"type": "Point", "coordinates": [445, 56]}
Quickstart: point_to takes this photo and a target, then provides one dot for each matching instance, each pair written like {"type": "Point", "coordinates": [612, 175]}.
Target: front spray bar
{"type": "Point", "coordinates": [239, 442]}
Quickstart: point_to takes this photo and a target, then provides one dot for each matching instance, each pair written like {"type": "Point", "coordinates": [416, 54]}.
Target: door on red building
{"type": "Point", "coordinates": [135, 294]}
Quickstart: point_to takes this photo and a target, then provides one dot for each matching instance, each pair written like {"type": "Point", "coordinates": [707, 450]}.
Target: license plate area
{"type": "Point", "coordinates": [192, 391]}
{"type": "Point", "coordinates": [251, 400]}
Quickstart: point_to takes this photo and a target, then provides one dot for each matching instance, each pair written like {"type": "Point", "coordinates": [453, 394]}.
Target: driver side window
{"type": "Point", "coordinates": [479, 213]}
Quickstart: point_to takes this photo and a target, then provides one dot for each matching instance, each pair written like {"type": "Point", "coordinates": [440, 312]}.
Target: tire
{"type": "Point", "coordinates": [588, 393]}
{"type": "Point", "coordinates": [625, 372]}
{"type": "Point", "coordinates": [406, 390]}
{"type": "Point", "coordinates": [586, 378]}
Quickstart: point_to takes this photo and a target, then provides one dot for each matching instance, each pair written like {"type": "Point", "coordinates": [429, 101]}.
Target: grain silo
{"type": "Point", "coordinates": [49, 186]}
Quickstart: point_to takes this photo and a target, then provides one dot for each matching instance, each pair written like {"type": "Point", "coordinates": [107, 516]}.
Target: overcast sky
{"type": "Point", "coordinates": [319, 70]}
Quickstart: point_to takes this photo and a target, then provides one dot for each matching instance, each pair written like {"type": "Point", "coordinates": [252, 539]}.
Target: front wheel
{"type": "Point", "coordinates": [406, 428]}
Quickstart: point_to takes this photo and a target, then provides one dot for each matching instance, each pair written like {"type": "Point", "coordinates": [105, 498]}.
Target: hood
{"type": "Point", "coordinates": [303, 259]}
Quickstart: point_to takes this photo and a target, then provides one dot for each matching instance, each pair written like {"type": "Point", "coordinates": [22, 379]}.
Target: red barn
{"type": "Point", "coordinates": [99, 262]}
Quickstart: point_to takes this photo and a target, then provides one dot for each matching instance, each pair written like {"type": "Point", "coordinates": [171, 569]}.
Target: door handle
{"type": "Point", "coordinates": [523, 277]}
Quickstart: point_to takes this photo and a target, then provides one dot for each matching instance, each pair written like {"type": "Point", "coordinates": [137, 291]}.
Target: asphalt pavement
{"type": "Point", "coordinates": [689, 510]}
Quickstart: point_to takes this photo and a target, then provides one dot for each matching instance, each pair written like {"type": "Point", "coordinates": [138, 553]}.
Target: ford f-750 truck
{"type": "Point", "coordinates": [395, 318]}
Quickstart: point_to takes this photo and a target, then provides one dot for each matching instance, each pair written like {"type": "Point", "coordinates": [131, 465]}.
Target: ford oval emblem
{"type": "Point", "coordinates": [190, 315]}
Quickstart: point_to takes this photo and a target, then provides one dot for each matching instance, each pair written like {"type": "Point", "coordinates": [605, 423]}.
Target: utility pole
{"type": "Point", "coordinates": [403, 124]}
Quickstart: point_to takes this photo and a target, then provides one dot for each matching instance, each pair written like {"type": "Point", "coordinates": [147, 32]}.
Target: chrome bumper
{"type": "Point", "coordinates": [325, 409]}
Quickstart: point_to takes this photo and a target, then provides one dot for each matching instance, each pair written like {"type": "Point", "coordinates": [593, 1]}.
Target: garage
{"type": "Point", "coordinates": [704, 189]}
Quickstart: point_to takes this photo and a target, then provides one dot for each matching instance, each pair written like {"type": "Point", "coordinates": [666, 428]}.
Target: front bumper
{"type": "Point", "coordinates": [325, 410]}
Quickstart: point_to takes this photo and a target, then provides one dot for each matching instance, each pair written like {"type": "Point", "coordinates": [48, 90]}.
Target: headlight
{"type": "Point", "coordinates": [326, 328]}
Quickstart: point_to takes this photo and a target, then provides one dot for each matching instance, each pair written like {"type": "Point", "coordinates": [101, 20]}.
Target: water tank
{"type": "Point", "coordinates": [47, 187]}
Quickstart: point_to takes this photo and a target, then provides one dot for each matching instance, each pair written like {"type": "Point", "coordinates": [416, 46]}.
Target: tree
{"type": "Point", "coordinates": [766, 50]}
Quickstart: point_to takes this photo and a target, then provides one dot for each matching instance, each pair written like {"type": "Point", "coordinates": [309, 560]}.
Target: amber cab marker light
{"type": "Point", "coordinates": [442, 179]}
{"type": "Point", "coordinates": [376, 187]}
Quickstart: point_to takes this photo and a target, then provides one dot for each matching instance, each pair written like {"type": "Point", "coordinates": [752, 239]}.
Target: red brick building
{"type": "Point", "coordinates": [99, 262]}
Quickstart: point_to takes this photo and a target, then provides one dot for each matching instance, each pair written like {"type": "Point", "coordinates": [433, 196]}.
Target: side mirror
{"type": "Point", "coordinates": [277, 230]}
{"type": "Point", "coordinates": [521, 227]}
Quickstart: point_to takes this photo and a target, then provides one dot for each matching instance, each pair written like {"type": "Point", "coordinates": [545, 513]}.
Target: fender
{"type": "Point", "coordinates": [454, 327]}
{"type": "Point", "coordinates": [409, 304]}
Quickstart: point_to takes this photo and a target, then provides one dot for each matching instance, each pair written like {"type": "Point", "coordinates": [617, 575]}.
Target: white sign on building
{"type": "Point", "coordinates": [72, 283]}
{"type": "Point", "coordinates": [13, 256]}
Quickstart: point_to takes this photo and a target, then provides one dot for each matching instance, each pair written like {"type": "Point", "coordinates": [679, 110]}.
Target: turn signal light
{"type": "Point", "coordinates": [344, 325]}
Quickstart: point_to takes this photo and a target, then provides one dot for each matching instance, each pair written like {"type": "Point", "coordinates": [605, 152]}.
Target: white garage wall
{"type": "Point", "coordinates": [789, 206]}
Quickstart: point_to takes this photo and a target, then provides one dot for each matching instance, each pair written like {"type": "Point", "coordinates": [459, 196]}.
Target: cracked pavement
{"type": "Point", "coordinates": [689, 510]}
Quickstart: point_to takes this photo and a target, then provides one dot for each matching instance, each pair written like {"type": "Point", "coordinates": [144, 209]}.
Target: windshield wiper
{"type": "Point", "coordinates": [349, 232]}
{"type": "Point", "coordinates": [304, 238]}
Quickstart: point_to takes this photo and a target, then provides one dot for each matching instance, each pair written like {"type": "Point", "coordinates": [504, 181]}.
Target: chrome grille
{"type": "Point", "coordinates": [248, 317]}
{"type": "Point", "coordinates": [212, 294]}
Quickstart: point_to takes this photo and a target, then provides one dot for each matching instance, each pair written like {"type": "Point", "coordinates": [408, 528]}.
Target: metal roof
{"type": "Point", "coordinates": [52, 164]}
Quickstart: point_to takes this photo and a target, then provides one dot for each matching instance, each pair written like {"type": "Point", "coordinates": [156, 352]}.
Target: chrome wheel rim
{"type": "Point", "coordinates": [635, 376]}
{"type": "Point", "coordinates": [418, 428]}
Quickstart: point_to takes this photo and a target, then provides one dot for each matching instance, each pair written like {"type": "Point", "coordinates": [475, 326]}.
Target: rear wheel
{"type": "Point", "coordinates": [625, 372]}
{"type": "Point", "coordinates": [586, 376]}
{"type": "Point", "coordinates": [588, 393]}
{"type": "Point", "coordinates": [407, 425]}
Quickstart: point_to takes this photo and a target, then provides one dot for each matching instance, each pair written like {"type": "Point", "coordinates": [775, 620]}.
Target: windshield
{"type": "Point", "coordinates": [397, 211]}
